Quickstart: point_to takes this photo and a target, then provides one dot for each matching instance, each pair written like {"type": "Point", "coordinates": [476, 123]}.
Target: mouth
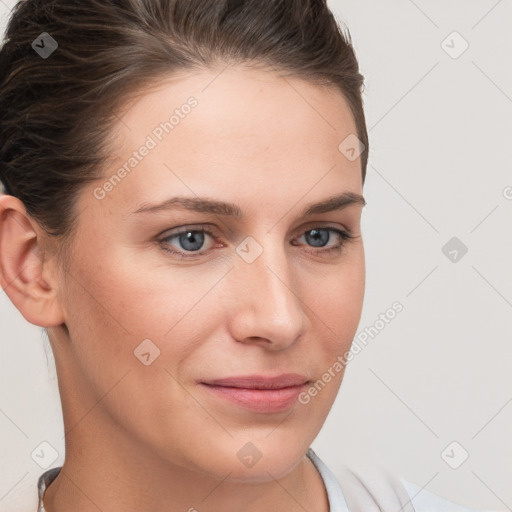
{"type": "Point", "coordinates": [258, 393]}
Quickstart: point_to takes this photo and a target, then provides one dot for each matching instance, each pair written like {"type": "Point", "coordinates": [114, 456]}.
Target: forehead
{"type": "Point", "coordinates": [235, 128]}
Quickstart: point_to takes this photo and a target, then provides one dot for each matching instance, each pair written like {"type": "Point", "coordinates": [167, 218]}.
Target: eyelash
{"type": "Point", "coordinates": [344, 235]}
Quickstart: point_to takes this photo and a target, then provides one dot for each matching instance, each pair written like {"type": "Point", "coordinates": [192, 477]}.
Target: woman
{"type": "Point", "coordinates": [184, 191]}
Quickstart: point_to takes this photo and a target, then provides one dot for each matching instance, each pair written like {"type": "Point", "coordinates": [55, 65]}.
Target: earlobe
{"type": "Point", "coordinates": [22, 266]}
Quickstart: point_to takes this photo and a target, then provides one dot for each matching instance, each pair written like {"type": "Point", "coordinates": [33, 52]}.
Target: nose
{"type": "Point", "coordinates": [267, 308]}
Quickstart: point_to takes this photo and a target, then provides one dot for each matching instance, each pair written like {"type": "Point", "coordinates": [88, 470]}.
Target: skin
{"type": "Point", "coordinates": [150, 437]}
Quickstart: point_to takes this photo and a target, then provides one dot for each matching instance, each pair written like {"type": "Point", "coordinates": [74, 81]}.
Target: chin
{"type": "Point", "coordinates": [252, 458]}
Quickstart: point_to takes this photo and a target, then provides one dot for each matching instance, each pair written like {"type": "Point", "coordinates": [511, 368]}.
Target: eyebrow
{"type": "Point", "coordinates": [208, 205]}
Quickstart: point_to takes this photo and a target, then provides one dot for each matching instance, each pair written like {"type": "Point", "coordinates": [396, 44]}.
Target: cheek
{"type": "Point", "coordinates": [334, 301]}
{"type": "Point", "coordinates": [115, 316]}
{"type": "Point", "coordinates": [337, 302]}
{"type": "Point", "coordinates": [119, 291]}
{"type": "Point", "coordinates": [122, 313]}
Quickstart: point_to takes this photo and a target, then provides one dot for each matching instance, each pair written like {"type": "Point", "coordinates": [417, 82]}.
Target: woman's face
{"type": "Point", "coordinates": [157, 321]}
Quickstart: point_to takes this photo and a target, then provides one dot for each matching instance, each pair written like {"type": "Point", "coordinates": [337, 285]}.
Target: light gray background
{"type": "Point", "coordinates": [441, 149]}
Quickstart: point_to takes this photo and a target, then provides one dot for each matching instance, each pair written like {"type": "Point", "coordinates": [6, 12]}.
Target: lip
{"type": "Point", "coordinates": [259, 393]}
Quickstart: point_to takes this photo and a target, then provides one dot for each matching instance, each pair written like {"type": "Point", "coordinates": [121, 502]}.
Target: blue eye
{"type": "Point", "coordinates": [319, 237]}
{"type": "Point", "coordinates": [191, 241]}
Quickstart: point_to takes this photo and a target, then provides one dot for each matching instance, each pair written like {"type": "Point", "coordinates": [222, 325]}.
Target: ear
{"type": "Point", "coordinates": [26, 273]}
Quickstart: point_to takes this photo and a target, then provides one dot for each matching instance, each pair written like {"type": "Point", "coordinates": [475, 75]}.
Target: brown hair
{"type": "Point", "coordinates": [56, 113]}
